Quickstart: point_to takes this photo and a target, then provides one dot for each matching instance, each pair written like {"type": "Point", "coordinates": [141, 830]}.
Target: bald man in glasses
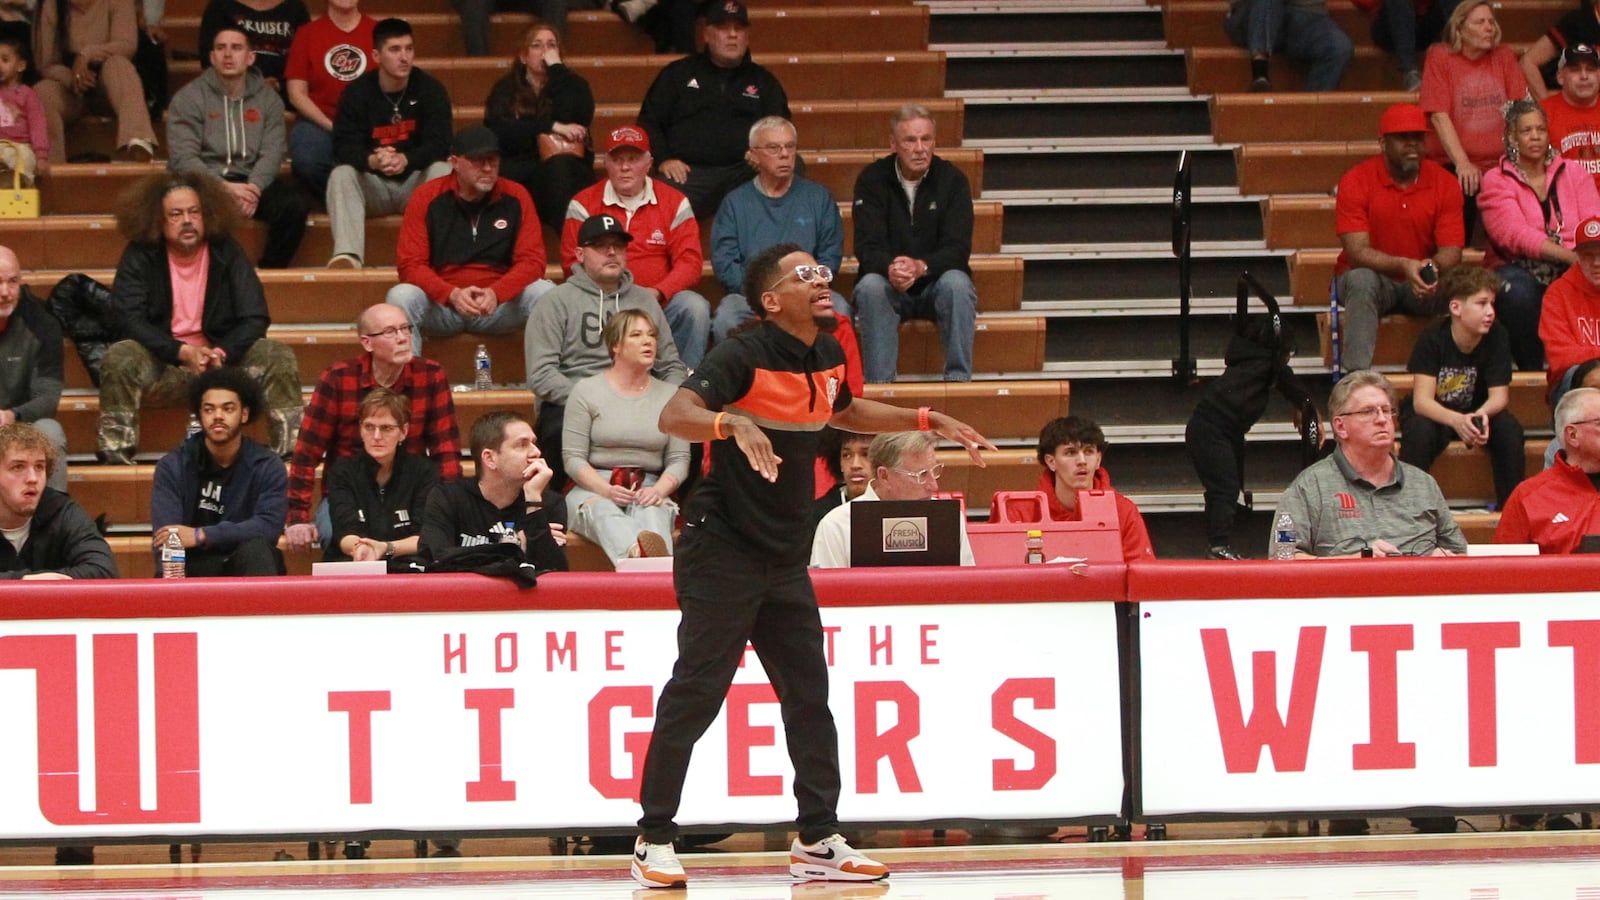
{"type": "Point", "coordinates": [331, 429]}
{"type": "Point", "coordinates": [1361, 500]}
{"type": "Point", "coordinates": [904, 467]}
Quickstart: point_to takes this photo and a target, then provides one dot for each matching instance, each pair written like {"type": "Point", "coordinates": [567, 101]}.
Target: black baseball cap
{"type": "Point", "coordinates": [1578, 53]}
{"type": "Point", "coordinates": [598, 226]}
{"type": "Point", "coordinates": [475, 141]}
{"type": "Point", "coordinates": [719, 11]}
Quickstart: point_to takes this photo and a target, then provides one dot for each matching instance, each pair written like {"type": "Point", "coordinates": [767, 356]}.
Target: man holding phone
{"type": "Point", "coordinates": [1398, 217]}
{"type": "Point", "coordinates": [1462, 382]}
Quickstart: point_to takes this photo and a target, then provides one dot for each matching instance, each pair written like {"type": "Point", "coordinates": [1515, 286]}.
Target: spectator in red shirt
{"type": "Point", "coordinates": [1397, 215]}
{"type": "Point", "coordinates": [331, 430]}
{"type": "Point", "coordinates": [1569, 323]}
{"type": "Point", "coordinates": [1573, 111]}
{"type": "Point", "coordinates": [471, 252]}
{"type": "Point", "coordinates": [327, 54]}
{"type": "Point", "coordinates": [1071, 450]}
{"type": "Point", "coordinates": [665, 256]}
{"type": "Point", "coordinates": [1558, 507]}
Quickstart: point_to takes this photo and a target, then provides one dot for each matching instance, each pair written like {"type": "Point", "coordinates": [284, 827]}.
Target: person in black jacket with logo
{"type": "Point", "coordinates": [699, 110]}
{"type": "Point", "coordinates": [375, 498]}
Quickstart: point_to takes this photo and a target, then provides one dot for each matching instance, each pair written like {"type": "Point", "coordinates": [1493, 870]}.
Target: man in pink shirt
{"type": "Point", "coordinates": [187, 300]}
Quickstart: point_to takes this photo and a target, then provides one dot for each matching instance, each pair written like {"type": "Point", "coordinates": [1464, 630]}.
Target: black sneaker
{"type": "Point", "coordinates": [1260, 85]}
{"type": "Point", "coordinates": [1223, 552]}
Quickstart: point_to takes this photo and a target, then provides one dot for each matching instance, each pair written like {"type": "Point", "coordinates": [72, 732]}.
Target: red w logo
{"type": "Point", "coordinates": [54, 660]}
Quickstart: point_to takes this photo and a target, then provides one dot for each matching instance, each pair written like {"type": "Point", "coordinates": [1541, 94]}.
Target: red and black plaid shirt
{"type": "Point", "coordinates": [331, 432]}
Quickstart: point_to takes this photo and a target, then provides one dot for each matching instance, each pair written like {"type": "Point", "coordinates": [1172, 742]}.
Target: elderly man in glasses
{"type": "Point", "coordinates": [779, 205]}
{"type": "Point", "coordinates": [904, 467]}
{"type": "Point", "coordinates": [1558, 508]}
{"type": "Point", "coordinates": [331, 430]}
{"type": "Point", "coordinates": [1361, 500]}
{"type": "Point", "coordinates": [913, 236]}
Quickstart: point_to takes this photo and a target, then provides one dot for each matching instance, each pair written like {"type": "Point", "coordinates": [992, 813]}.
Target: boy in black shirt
{"type": "Point", "coordinates": [1462, 382]}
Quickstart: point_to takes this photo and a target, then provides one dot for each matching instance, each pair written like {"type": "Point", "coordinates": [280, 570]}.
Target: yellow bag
{"type": "Point", "coordinates": [18, 202]}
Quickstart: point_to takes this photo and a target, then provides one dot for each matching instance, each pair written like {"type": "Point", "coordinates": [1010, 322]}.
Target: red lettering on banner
{"type": "Point", "coordinates": [829, 632]}
{"type": "Point", "coordinates": [458, 654]}
{"type": "Point", "coordinates": [54, 660]}
{"type": "Point", "coordinates": [743, 737]}
{"type": "Point", "coordinates": [1383, 749]}
{"type": "Point", "coordinates": [893, 744]}
{"type": "Point", "coordinates": [885, 645]}
{"type": "Point", "coordinates": [638, 701]}
{"type": "Point", "coordinates": [1002, 715]}
{"type": "Point", "coordinates": [1287, 738]}
{"type": "Point", "coordinates": [1584, 639]}
{"type": "Point", "coordinates": [505, 652]}
{"type": "Point", "coordinates": [1481, 640]}
{"type": "Point", "coordinates": [612, 649]}
{"type": "Point", "coordinates": [360, 706]}
{"type": "Point", "coordinates": [928, 643]}
{"type": "Point", "coordinates": [556, 649]}
{"type": "Point", "coordinates": [491, 783]}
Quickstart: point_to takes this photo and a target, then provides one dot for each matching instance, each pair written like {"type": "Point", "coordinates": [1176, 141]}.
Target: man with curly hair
{"type": "Point", "coordinates": [187, 300]}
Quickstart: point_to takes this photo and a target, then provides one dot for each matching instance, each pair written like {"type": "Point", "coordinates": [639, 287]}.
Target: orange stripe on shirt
{"type": "Point", "coordinates": [783, 400]}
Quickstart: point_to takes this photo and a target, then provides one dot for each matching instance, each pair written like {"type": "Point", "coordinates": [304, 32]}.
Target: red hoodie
{"type": "Point", "coordinates": [1135, 537]}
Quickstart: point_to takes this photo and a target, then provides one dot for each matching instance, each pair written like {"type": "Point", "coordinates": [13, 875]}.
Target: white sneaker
{"type": "Point", "coordinates": [833, 859]}
{"type": "Point", "coordinates": [656, 866]}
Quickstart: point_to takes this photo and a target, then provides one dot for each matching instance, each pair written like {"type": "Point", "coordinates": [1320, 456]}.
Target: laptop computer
{"type": "Point", "coordinates": [905, 533]}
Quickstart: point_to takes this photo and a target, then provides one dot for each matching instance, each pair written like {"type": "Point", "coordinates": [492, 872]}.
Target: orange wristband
{"type": "Point", "coordinates": [922, 419]}
{"type": "Point", "coordinates": [716, 426]}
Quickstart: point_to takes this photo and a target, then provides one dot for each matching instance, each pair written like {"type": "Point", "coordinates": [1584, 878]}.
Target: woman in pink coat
{"type": "Point", "coordinates": [1531, 203]}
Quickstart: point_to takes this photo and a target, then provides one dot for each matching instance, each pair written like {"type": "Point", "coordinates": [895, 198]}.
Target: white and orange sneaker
{"type": "Point", "coordinates": [833, 859]}
{"type": "Point", "coordinates": [657, 866]}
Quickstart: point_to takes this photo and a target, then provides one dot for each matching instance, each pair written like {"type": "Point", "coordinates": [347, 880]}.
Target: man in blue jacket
{"type": "Point", "coordinates": [224, 495]}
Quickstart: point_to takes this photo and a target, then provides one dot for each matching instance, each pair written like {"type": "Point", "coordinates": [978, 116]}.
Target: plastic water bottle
{"type": "Point", "coordinates": [1285, 536]}
{"type": "Point", "coordinates": [1035, 547]}
{"type": "Point", "coordinates": [174, 558]}
{"type": "Point", "coordinates": [484, 379]}
{"type": "Point", "coordinates": [194, 427]}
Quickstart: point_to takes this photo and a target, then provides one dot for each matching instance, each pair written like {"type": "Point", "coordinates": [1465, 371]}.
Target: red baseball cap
{"type": "Point", "coordinates": [1402, 118]}
{"type": "Point", "coordinates": [1588, 232]}
{"type": "Point", "coordinates": [628, 136]}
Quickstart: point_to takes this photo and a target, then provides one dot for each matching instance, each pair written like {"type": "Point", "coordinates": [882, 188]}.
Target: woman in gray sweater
{"type": "Point", "coordinates": [623, 468]}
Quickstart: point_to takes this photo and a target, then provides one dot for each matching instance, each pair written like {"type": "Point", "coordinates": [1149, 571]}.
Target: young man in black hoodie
{"type": "Point", "coordinates": [224, 495]}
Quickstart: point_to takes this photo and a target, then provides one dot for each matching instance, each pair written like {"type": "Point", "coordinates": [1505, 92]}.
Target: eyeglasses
{"type": "Point", "coordinates": [818, 274]}
{"type": "Point", "coordinates": [1367, 414]}
{"type": "Point", "coordinates": [1583, 422]}
{"type": "Point", "coordinates": [393, 331]}
{"type": "Point", "coordinates": [924, 476]}
{"type": "Point", "coordinates": [775, 149]}
{"type": "Point", "coordinates": [373, 428]}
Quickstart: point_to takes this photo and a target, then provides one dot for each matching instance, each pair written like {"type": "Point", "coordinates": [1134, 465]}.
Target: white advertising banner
{"type": "Point", "coordinates": [1370, 703]}
{"type": "Point", "coordinates": [532, 720]}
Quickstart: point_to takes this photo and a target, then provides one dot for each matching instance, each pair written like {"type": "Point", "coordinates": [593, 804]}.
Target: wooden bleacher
{"type": "Point", "coordinates": [823, 125]}
{"type": "Point", "coordinates": [93, 189]}
{"type": "Point", "coordinates": [877, 29]}
{"type": "Point", "coordinates": [1198, 23]}
{"type": "Point", "coordinates": [821, 75]}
